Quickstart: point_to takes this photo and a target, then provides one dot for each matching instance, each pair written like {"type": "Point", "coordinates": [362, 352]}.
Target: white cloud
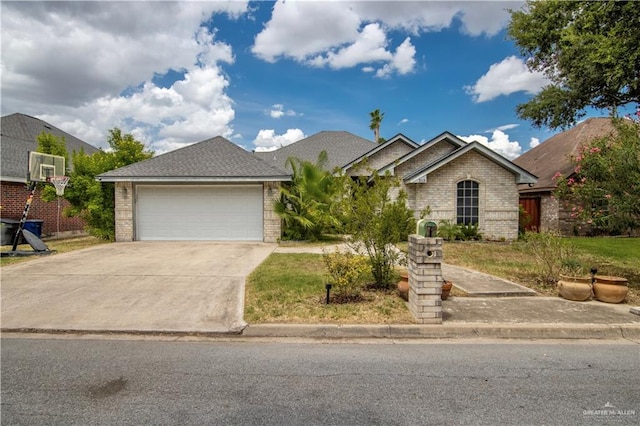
{"type": "Point", "coordinates": [499, 142]}
{"type": "Point", "coordinates": [509, 76]}
{"type": "Point", "coordinates": [368, 69]}
{"type": "Point", "coordinates": [268, 140]}
{"type": "Point", "coordinates": [505, 127]}
{"type": "Point", "coordinates": [534, 142]}
{"type": "Point", "coordinates": [278, 111]}
{"type": "Point", "coordinates": [92, 64]}
{"type": "Point", "coordinates": [403, 121]}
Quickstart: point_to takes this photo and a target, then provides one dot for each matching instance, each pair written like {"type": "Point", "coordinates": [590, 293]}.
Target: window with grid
{"type": "Point", "coordinates": [467, 203]}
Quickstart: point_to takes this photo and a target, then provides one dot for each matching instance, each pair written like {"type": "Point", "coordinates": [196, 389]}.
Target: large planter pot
{"type": "Point", "coordinates": [610, 289]}
{"type": "Point", "coordinates": [575, 288]}
{"type": "Point", "coordinates": [446, 289]}
{"type": "Point", "coordinates": [403, 285]}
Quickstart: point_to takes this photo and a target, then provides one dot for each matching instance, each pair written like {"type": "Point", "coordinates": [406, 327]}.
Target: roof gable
{"type": "Point", "coordinates": [19, 135]}
{"type": "Point", "coordinates": [444, 136]}
{"type": "Point", "coordinates": [554, 154]}
{"type": "Point", "coordinates": [420, 175]}
{"type": "Point", "coordinates": [399, 138]}
{"type": "Point", "coordinates": [212, 160]}
{"type": "Point", "coordinates": [341, 148]}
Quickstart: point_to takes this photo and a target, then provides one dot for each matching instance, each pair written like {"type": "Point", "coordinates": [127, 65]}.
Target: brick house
{"type": "Point", "coordinates": [545, 160]}
{"type": "Point", "coordinates": [458, 181]}
{"type": "Point", "coordinates": [18, 136]}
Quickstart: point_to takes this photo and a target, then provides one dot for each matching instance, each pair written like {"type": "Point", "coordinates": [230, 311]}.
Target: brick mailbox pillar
{"type": "Point", "coordinates": [425, 279]}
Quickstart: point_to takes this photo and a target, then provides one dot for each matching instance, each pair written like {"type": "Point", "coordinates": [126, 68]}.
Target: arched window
{"type": "Point", "coordinates": [467, 203]}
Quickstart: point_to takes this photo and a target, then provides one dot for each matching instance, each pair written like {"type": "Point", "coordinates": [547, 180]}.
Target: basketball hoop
{"type": "Point", "coordinates": [60, 182]}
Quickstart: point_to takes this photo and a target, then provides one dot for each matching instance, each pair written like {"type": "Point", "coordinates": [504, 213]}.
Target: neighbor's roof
{"type": "Point", "coordinates": [212, 160]}
{"type": "Point", "coordinates": [341, 148]}
{"type": "Point", "coordinates": [554, 154]}
{"type": "Point", "coordinates": [19, 135]}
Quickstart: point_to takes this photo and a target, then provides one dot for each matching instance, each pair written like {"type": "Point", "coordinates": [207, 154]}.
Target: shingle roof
{"type": "Point", "coordinates": [554, 154]}
{"type": "Point", "coordinates": [341, 147]}
{"type": "Point", "coordinates": [215, 159]}
{"type": "Point", "coordinates": [18, 136]}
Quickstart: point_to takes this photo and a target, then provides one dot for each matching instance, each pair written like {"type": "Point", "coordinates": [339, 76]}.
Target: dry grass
{"type": "Point", "coordinates": [59, 246]}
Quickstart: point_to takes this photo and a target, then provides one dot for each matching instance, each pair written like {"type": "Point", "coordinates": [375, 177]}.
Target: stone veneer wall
{"type": "Point", "coordinates": [272, 222]}
{"type": "Point", "coordinates": [498, 198]}
{"type": "Point", "coordinates": [124, 211]}
{"type": "Point", "coordinates": [425, 279]}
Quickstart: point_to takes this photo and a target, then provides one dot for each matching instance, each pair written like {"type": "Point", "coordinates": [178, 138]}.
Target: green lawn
{"type": "Point", "coordinates": [290, 288]}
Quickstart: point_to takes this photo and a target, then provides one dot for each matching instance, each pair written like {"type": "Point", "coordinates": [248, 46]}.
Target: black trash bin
{"type": "Point", "coordinates": [34, 226]}
{"type": "Point", "coordinates": [9, 228]}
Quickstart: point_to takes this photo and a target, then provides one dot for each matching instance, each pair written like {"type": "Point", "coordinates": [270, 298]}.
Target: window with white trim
{"type": "Point", "coordinates": [467, 203]}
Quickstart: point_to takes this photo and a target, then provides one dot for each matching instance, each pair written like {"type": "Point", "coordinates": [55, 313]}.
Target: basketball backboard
{"type": "Point", "coordinates": [43, 166]}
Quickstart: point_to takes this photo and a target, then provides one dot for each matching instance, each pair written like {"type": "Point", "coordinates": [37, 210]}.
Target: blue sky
{"type": "Point", "coordinates": [266, 74]}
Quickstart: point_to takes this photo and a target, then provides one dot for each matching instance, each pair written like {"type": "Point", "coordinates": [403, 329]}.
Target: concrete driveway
{"type": "Point", "coordinates": [135, 287]}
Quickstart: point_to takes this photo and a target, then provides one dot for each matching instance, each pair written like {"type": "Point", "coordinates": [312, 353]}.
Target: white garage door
{"type": "Point", "coordinates": [210, 213]}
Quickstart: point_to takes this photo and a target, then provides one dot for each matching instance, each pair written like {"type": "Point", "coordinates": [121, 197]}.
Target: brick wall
{"type": "Point", "coordinates": [272, 222]}
{"type": "Point", "coordinates": [14, 197]}
{"type": "Point", "coordinates": [498, 197]}
{"type": "Point", "coordinates": [124, 211]}
{"type": "Point", "coordinates": [381, 158]}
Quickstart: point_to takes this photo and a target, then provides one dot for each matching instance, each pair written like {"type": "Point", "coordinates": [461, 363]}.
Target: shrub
{"type": "Point", "coordinates": [469, 232]}
{"type": "Point", "coordinates": [448, 230]}
{"type": "Point", "coordinates": [346, 271]}
{"type": "Point", "coordinates": [551, 252]}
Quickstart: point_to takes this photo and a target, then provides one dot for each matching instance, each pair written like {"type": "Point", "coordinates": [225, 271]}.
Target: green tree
{"type": "Point", "coordinates": [305, 204]}
{"type": "Point", "coordinates": [589, 50]}
{"type": "Point", "coordinates": [604, 188]}
{"type": "Point", "coordinates": [91, 199]}
{"type": "Point", "coordinates": [376, 120]}
{"type": "Point", "coordinates": [376, 222]}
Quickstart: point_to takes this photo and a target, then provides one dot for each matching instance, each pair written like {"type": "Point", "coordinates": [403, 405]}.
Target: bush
{"type": "Point", "coordinates": [346, 271]}
{"type": "Point", "coordinates": [469, 232]}
{"type": "Point", "coordinates": [448, 230]}
{"type": "Point", "coordinates": [552, 254]}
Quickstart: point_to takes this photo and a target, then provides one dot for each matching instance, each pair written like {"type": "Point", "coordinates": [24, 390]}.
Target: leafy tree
{"type": "Point", "coordinates": [376, 222]}
{"type": "Point", "coordinates": [590, 51]}
{"type": "Point", "coordinates": [305, 205]}
{"type": "Point", "coordinates": [376, 120]}
{"type": "Point", "coordinates": [604, 188]}
{"type": "Point", "coordinates": [91, 199]}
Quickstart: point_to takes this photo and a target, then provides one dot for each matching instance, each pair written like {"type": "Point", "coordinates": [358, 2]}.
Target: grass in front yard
{"type": "Point", "coordinates": [59, 246]}
{"type": "Point", "coordinates": [612, 256]}
{"type": "Point", "coordinates": [290, 288]}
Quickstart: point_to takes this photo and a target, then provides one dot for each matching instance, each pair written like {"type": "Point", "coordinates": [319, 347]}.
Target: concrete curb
{"type": "Point", "coordinates": [461, 331]}
{"type": "Point", "coordinates": [399, 332]}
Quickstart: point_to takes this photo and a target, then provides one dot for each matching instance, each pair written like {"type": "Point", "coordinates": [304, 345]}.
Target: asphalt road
{"type": "Point", "coordinates": [71, 381]}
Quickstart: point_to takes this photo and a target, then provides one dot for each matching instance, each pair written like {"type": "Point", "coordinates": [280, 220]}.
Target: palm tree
{"type": "Point", "coordinates": [376, 120]}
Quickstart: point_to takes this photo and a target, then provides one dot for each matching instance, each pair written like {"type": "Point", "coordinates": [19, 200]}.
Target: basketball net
{"type": "Point", "coordinates": [60, 182]}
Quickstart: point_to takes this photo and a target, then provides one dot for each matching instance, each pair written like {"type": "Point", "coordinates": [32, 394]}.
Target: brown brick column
{"type": "Point", "coordinates": [425, 279]}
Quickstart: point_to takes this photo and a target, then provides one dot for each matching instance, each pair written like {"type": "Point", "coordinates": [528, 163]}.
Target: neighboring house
{"type": "Point", "coordinates": [211, 190]}
{"type": "Point", "coordinates": [455, 180]}
{"type": "Point", "coordinates": [545, 160]}
{"type": "Point", "coordinates": [18, 136]}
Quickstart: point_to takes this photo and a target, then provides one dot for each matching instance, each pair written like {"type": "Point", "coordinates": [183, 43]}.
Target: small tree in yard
{"type": "Point", "coordinates": [376, 223]}
{"type": "Point", "coordinates": [604, 188]}
{"type": "Point", "coordinates": [92, 200]}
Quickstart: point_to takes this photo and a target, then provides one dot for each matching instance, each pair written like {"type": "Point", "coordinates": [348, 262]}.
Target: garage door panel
{"type": "Point", "coordinates": [211, 213]}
